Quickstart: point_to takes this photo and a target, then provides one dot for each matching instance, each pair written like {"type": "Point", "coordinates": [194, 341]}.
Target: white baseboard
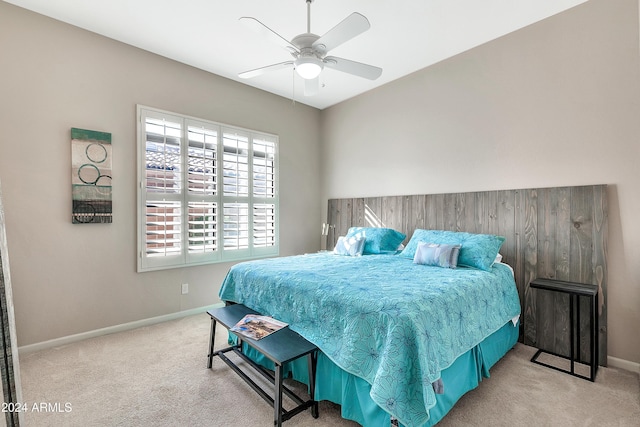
{"type": "Point", "coordinates": [614, 362]}
{"type": "Point", "coordinates": [57, 342]}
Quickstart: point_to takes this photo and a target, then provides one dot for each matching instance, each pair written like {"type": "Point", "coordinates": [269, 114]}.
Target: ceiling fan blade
{"type": "Point", "coordinates": [350, 27]}
{"type": "Point", "coordinates": [260, 71]}
{"type": "Point", "coordinates": [267, 32]}
{"type": "Point", "coordinates": [311, 86]}
{"type": "Point", "coordinates": [352, 67]}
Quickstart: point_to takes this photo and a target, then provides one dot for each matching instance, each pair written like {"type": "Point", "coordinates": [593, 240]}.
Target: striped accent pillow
{"type": "Point", "coordinates": [352, 246]}
{"type": "Point", "coordinates": [437, 255]}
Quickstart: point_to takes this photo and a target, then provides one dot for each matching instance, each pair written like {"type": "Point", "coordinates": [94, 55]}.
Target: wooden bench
{"type": "Point", "coordinates": [280, 347]}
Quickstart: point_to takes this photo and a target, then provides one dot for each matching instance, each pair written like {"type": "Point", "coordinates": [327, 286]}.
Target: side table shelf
{"type": "Point", "coordinates": [574, 290]}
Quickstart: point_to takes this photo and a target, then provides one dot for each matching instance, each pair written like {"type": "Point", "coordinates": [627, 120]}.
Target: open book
{"type": "Point", "coordinates": [256, 326]}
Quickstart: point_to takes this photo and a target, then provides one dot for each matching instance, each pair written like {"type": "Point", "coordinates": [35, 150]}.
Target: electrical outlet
{"type": "Point", "coordinates": [185, 288]}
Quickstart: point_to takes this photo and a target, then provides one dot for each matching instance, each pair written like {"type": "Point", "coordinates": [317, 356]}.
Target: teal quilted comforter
{"type": "Point", "coordinates": [394, 323]}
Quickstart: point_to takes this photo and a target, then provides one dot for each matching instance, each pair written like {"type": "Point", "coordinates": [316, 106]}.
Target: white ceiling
{"type": "Point", "coordinates": [405, 35]}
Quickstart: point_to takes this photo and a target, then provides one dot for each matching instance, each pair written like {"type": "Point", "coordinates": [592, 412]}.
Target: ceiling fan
{"type": "Point", "coordinates": [310, 51]}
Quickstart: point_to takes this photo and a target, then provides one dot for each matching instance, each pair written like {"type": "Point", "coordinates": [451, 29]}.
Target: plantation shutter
{"type": "Point", "coordinates": [202, 169]}
{"type": "Point", "coordinates": [163, 187]}
{"type": "Point", "coordinates": [264, 193]}
{"type": "Point", "coordinates": [208, 192]}
{"type": "Point", "coordinates": [236, 190]}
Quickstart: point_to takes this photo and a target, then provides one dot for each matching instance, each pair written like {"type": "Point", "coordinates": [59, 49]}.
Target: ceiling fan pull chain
{"type": "Point", "coordinates": [293, 86]}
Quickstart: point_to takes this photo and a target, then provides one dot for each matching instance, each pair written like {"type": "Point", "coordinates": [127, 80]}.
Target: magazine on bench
{"type": "Point", "coordinates": [256, 326]}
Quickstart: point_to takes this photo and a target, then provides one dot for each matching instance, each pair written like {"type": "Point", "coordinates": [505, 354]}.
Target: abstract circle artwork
{"type": "Point", "coordinates": [91, 176]}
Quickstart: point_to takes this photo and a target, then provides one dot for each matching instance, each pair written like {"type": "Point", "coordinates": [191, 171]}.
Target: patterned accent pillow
{"type": "Point", "coordinates": [352, 246]}
{"type": "Point", "coordinates": [477, 250]}
{"type": "Point", "coordinates": [437, 255]}
{"type": "Point", "coordinates": [378, 240]}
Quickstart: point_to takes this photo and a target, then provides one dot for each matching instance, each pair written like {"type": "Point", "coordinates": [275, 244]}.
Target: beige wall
{"type": "Point", "coordinates": [67, 278]}
{"type": "Point", "coordinates": [555, 104]}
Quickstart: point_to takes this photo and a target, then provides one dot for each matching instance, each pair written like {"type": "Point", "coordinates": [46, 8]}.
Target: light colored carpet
{"type": "Point", "coordinates": [157, 376]}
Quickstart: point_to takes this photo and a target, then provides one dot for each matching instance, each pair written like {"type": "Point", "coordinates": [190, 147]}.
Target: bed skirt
{"type": "Point", "coordinates": [352, 392]}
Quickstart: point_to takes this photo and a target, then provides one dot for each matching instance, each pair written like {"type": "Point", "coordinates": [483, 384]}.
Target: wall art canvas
{"type": "Point", "coordinates": [91, 176]}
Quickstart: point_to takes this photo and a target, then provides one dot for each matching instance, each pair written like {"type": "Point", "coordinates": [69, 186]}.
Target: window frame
{"type": "Point", "coordinates": [262, 211]}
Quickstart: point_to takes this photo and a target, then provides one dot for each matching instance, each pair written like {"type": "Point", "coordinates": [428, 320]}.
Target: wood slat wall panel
{"type": "Point", "coordinates": [550, 232]}
{"type": "Point", "coordinates": [529, 247]}
{"type": "Point", "coordinates": [478, 212]}
{"type": "Point", "coordinates": [506, 222]}
{"type": "Point", "coordinates": [545, 311]}
{"type": "Point", "coordinates": [580, 253]}
{"type": "Point", "coordinates": [601, 235]}
{"type": "Point", "coordinates": [517, 262]}
{"type": "Point", "coordinates": [431, 207]}
{"type": "Point", "coordinates": [561, 266]}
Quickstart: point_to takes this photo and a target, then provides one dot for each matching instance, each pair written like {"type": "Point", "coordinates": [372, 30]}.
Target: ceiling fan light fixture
{"type": "Point", "coordinates": [308, 67]}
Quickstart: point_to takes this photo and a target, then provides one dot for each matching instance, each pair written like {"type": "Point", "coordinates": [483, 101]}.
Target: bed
{"type": "Point", "coordinates": [399, 338]}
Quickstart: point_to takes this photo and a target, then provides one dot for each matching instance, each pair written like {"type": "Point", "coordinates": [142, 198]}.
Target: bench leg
{"type": "Point", "coordinates": [277, 402]}
{"type": "Point", "coordinates": [211, 341]}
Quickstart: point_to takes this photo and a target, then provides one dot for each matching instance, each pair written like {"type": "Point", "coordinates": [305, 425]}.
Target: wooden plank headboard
{"type": "Point", "coordinates": [556, 233]}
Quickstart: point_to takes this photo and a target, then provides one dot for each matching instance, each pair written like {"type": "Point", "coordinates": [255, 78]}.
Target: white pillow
{"type": "Point", "coordinates": [437, 255]}
{"type": "Point", "coordinates": [352, 246]}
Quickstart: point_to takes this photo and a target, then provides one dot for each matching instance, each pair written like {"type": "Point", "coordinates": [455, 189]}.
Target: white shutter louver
{"type": "Point", "coordinates": [202, 163]}
{"type": "Point", "coordinates": [202, 227]}
{"type": "Point", "coordinates": [163, 230]}
{"type": "Point", "coordinates": [264, 225]}
{"type": "Point", "coordinates": [236, 226]}
{"type": "Point", "coordinates": [163, 171]}
{"type": "Point", "coordinates": [235, 164]}
{"type": "Point", "coordinates": [264, 174]}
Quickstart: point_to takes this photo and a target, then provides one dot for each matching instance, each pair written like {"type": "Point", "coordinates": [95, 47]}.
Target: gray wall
{"type": "Point", "coordinates": [554, 104]}
{"type": "Point", "coordinates": [70, 278]}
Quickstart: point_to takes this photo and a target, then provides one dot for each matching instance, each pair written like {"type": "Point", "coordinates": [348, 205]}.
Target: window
{"type": "Point", "coordinates": [207, 192]}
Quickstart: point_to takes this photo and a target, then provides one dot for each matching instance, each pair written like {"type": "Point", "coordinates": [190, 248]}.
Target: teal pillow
{"type": "Point", "coordinates": [378, 240]}
{"type": "Point", "coordinates": [477, 250]}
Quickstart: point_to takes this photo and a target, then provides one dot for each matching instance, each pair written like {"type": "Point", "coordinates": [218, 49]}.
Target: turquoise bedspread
{"type": "Point", "coordinates": [391, 322]}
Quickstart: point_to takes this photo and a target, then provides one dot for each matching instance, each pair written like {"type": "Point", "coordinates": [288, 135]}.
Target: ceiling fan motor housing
{"type": "Point", "coordinates": [304, 42]}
